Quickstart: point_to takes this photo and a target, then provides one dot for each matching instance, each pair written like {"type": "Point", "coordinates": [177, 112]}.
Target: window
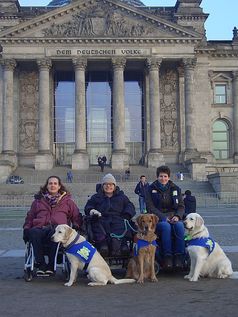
{"type": "Point", "coordinates": [220, 94]}
{"type": "Point", "coordinates": [220, 136]}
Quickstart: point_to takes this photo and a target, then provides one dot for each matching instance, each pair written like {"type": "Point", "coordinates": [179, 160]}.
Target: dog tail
{"type": "Point", "coordinates": [234, 275]}
{"type": "Point", "coordinates": [114, 280]}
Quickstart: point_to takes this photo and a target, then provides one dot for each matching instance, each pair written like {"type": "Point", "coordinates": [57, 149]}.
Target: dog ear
{"type": "Point", "coordinates": [199, 221]}
{"type": "Point", "coordinates": [68, 231]}
{"type": "Point", "coordinates": [155, 220]}
{"type": "Point", "coordinates": [138, 221]}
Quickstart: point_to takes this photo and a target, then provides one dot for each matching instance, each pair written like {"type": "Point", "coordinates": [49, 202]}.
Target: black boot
{"type": "Point", "coordinates": [168, 262]}
{"type": "Point", "coordinates": [115, 247]}
{"type": "Point", "coordinates": [125, 250]}
{"type": "Point", "coordinates": [178, 261]}
{"type": "Point", "coordinates": [102, 248]}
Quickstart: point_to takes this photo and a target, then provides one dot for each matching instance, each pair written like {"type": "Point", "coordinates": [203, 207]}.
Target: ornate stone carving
{"type": "Point", "coordinates": [44, 63]}
{"type": "Point", "coordinates": [28, 129]}
{"type": "Point", "coordinates": [8, 64]}
{"type": "Point", "coordinates": [153, 63]}
{"type": "Point", "coordinates": [80, 63]}
{"type": "Point", "coordinates": [104, 22]}
{"type": "Point", "coordinates": [118, 62]}
{"type": "Point", "coordinates": [235, 75]}
{"type": "Point", "coordinates": [168, 110]}
{"type": "Point", "coordinates": [189, 63]}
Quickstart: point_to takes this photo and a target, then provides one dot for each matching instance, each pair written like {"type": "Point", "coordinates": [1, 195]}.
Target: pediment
{"type": "Point", "coordinates": [98, 19]}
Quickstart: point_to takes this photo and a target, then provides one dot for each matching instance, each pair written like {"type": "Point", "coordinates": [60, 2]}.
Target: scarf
{"type": "Point", "coordinates": [52, 200]}
{"type": "Point", "coordinates": [162, 187]}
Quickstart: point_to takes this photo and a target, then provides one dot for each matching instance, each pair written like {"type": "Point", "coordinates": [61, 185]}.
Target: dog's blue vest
{"type": "Point", "coordinates": [141, 244]}
{"type": "Point", "coordinates": [207, 243]}
{"type": "Point", "coordinates": [83, 250]}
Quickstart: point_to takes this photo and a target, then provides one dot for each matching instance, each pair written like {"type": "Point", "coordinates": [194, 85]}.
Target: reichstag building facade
{"type": "Point", "coordinates": [141, 85]}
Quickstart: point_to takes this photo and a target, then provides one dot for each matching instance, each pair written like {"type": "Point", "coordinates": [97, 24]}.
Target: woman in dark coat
{"type": "Point", "coordinates": [164, 199]}
{"type": "Point", "coordinates": [109, 208]}
{"type": "Point", "coordinates": [52, 206]}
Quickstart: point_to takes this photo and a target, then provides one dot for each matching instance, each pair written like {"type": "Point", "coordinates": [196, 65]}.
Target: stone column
{"type": "Point", "coordinates": [8, 156]}
{"type": "Point", "coordinates": [44, 159]}
{"type": "Point", "coordinates": [182, 132]}
{"type": "Point", "coordinates": [190, 124]}
{"type": "Point", "coordinates": [119, 156]}
{"type": "Point", "coordinates": [80, 158]}
{"type": "Point", "coordinates": [235, 114]}
{"type": "Point", "coordinates": [155, 155]}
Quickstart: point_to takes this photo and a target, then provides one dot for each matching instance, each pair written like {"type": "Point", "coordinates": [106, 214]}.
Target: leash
{"type": "Point", "coordinates": [127, 226]}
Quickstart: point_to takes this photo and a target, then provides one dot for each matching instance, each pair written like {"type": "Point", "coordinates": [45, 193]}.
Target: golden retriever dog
{"type": "Point", "coordinates": [207, 257]}
{"type": "Point", "coordinates": [98, 270]}
{"type": "Point", "coordinates": [141, 266]}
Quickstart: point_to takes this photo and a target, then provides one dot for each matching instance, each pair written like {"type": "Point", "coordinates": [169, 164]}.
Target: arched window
{"type": "Point", "coordinates": [220, 137]}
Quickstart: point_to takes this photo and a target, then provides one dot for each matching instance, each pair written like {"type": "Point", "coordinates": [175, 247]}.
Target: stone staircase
{"type": "Point", "coordinates": [84, 182]}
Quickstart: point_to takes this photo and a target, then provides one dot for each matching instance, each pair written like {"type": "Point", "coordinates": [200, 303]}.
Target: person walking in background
{"type": "Point", "coordinates": [101, 162]}
{"type": "Point", "coordinates": [189, 202]}
{"type": "Point", "coordinates": [69, 177]}
{"type": "Point", "coordinates": [141, 189]}
{"type": "Point", "coordinates": [164, 199]}
{"type": "Point", "coordinates": [127, 173]}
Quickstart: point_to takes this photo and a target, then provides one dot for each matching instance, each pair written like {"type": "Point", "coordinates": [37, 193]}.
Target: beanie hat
{"type": "Point", "coordinates": [109, 178]}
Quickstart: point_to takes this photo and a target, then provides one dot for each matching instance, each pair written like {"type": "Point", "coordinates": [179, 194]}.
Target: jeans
{"type": "Point", "coordinates": [172, 237]}
{"type": "Point", "coordinates": [40, 237]}
{"type": "Point", "coordinates": [142, 204]}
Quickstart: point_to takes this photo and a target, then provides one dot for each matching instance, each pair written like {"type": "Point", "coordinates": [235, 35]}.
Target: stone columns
{"type": "Point", "coordinates": [235, 114]}
{"type": "Point", "coordinates": [190, 124]}
{"type": "Point", "coordinates": [80, 159]}
{"type": "Point", "coordinates": [119, 157]}
{"type": "Point", "coordinates": [8, 159]}
{"type": "Point", "coordinates": [44, 159]}
{"type": "Point", "coordinates": [155, 155]}
{"type": "Point", "coordinates": [8, 145]}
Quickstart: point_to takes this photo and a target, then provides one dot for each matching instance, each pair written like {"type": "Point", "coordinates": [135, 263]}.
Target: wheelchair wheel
{"type": "Point", "coordinates": [28, 275]}
{"type": "Point", "coordinates": [157, 267]}
{"type": "Point", "coordinates": [66, 270]}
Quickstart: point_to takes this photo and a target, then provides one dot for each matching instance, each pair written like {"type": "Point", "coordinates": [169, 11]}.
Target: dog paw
{"type": "Point", "coordinates": [140, 281]}
{"type": "Point", "coordinates": [68, 284]}
{"type": "Point", "coordinates": [154, 280]}
{"type": "Point", "coordinates": [193, 279]}
{"type": "Point", "coordinates": [187, 277]}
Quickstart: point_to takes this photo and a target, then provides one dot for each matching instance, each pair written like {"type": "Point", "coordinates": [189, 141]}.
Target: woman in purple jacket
{"type": "Point", "coordinates": [52, 206]}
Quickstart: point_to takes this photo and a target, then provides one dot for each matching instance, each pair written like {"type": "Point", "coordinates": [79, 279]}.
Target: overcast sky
{"type": "Point", "coordinates": [220, 23]}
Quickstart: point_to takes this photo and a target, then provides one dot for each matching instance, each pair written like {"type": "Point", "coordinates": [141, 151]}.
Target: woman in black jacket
{"type": "Point", "coordinates": [109, 208]}
{"type": "Point", "coordinates": [164, 199]}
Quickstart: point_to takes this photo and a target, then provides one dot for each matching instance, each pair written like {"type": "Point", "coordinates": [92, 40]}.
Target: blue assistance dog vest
{"type": "Point", "coordinates": [141, 244]}
{"type": "Point", "coordinates": [207, 243]}
{"type": "Point", "coordinates": [83, 250]}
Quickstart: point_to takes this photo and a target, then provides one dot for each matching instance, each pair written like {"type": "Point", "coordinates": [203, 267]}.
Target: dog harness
{"type": "Point", "coordinates": [83, 250]}
{"type": "Point", "coordinates": [142, 244]}
{"type": "Point", "coordinates": [207, 243]}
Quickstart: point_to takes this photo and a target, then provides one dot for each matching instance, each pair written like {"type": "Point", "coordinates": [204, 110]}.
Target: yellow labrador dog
{"type": "Point", "coordinates": [207, 257]}
{"type": "Point", "coordinates": [78, 251]}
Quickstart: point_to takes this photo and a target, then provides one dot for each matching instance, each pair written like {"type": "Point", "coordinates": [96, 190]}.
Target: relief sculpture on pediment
{"type": "Point", "coordinates": [95, 21]}
{"type": "Point", "coordinates": [169, 126]}
{"type": "Point", "coordinates": [28, 114]}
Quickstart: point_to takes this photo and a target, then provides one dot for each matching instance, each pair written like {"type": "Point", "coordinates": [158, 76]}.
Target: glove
{"type": "Point", "coordinates": [126, 216]}
{"type": "Point", "coordinates": [94, 212]}
{"type": "Point", "coordinates": [26, 235]}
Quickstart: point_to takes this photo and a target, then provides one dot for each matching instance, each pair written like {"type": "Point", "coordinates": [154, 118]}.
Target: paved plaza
{"type": "Point", "coordinates": [171, 296]}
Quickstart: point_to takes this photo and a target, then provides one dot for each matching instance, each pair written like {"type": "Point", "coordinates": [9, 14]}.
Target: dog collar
{"type": "Point", "coordinates": [73, 242]}
{"type": "Point", "coordinates": [207, 243]}
{"type": "Point", "coordinates": [142, 244]}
